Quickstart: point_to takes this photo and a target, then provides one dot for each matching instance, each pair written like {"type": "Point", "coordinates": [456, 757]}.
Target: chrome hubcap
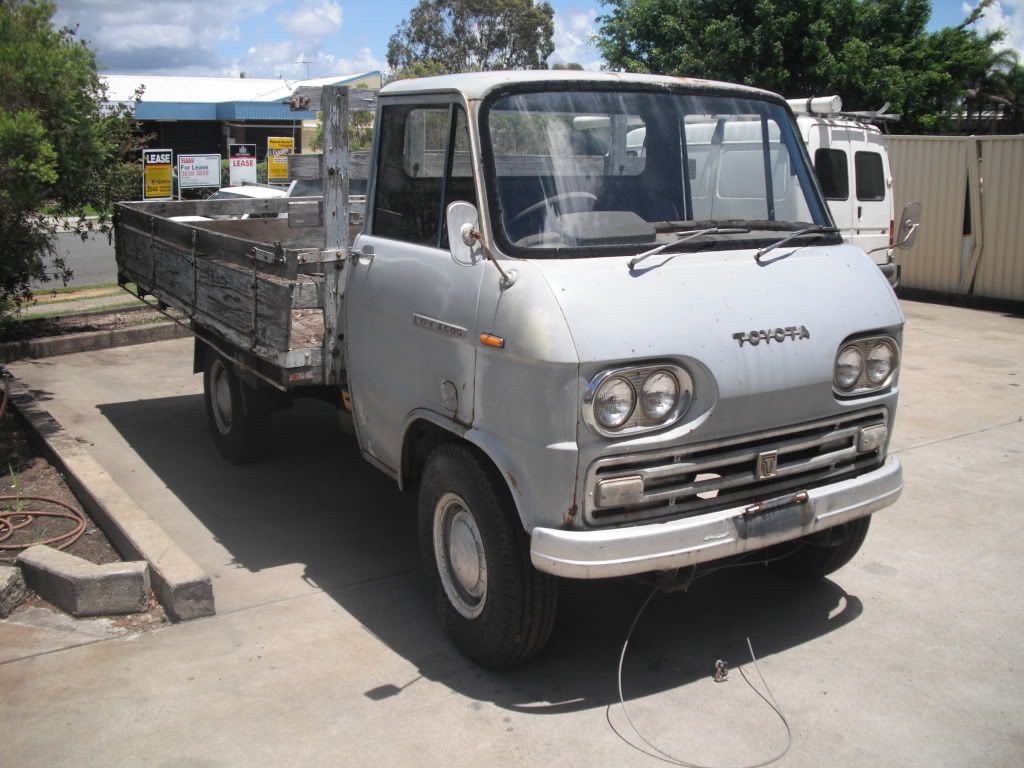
{"type": "Point", "coordinates": [459, 553]}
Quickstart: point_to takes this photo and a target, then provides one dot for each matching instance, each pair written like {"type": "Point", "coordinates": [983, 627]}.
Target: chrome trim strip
{"type": "Point", "coordinates": [837, 435]}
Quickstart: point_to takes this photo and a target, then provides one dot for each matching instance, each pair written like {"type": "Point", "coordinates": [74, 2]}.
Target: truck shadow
{"type": "Point", "coordinates": [316, 502]}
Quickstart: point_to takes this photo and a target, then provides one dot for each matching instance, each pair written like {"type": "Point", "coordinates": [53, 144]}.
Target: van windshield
{"type": "Point", "coordinates": [579, 173]}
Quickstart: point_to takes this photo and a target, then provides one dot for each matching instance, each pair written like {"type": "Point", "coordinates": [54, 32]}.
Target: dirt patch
{"type": "Point", "coordinates": [25, 473]}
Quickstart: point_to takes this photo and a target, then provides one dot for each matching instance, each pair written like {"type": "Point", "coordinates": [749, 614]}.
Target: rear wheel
{"type": "Point", "coordinates": [238, 415]}
{"type": "Point", "coordinates": [494, 605]}
{"type": "Point", "coordinates": [823, 553]}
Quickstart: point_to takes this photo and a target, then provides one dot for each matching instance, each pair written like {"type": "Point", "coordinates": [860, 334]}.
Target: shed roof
{"type": "Point", "coordinates": [216, 98]}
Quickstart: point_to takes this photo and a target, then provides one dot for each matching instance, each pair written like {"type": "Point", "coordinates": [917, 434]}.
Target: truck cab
{"type": "Point", "coordinates": [607, 325]}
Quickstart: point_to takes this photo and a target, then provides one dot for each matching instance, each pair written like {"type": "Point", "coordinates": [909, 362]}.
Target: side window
{"type": "Point", "coordinates": [830, 165]}
{"type": "Point", "coordinates": [413, 175]}
{"type": "Point", "coordinates": [870, 177]}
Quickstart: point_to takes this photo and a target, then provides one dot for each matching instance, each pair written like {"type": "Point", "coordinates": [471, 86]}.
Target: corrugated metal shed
{"type": "Point", "coordinates": [972, 228]}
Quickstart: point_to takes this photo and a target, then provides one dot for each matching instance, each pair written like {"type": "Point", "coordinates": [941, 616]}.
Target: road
{"type": "Point", "coordinates": [326, 651]}
{"type": "Point", "coordinates": [91, 261]}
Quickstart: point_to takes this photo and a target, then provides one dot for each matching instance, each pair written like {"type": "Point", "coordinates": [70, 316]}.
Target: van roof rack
{"type": "Point", "coordinates": [833, 106]}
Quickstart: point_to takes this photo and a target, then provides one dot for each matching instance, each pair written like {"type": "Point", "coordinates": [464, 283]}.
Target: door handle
{"type": "Point", "coordinates": [364, 255]}
{"type": "Point", "coordinates": [860, 209]}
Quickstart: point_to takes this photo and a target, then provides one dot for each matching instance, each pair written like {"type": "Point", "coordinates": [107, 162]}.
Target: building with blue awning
{"type": "Point", "coordinates": [205, 114]}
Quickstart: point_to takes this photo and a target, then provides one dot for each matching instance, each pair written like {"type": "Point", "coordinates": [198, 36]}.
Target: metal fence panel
{"type": "Point", "coordinates": [932, 170]}
{"type": "Point", "coordinates": [1000, 272]}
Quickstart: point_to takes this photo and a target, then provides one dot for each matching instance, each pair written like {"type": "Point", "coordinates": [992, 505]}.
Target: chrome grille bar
{"type": "Point", "coordinates": [668, 482]}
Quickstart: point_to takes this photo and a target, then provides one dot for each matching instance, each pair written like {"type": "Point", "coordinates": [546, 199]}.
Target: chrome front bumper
{"type": "Point", "coordinates": [607, 552]}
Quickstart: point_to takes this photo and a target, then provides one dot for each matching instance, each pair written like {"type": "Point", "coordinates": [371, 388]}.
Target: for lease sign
{"type": "Point", "coordinates": [198, 171]}
{"type": "Point", "coordinates": [278, 149]}
{"type": "Point", "coordinates": [242, 163]}
{"type": "Point", "coordinates": [157, 177]}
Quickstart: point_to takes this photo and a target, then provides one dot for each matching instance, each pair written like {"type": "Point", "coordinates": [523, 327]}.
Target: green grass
{"type": "Point", "coordinates": [71, 299]}
{"type": "Point", "coordinates": [49, 210]}
{"type": "Point", "coordinates": [54, 313]}
{"type": "Point", "coordinates": [72, 289]}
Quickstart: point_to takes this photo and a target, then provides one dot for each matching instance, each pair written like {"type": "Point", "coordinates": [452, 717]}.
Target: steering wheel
{"type": "Point", "coordinates": [560, 197]}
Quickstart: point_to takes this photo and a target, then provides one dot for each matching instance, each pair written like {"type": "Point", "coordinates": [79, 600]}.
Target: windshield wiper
{"type": "Point", "coordinates": [817, 229]}
{"type": "Point", "coordinates": [684, 238]}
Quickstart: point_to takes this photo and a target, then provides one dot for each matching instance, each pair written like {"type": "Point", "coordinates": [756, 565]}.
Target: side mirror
{"type": "Point", "coordinates": [910, 220]}
{"type": "Point", "coordinates": [462, 221]}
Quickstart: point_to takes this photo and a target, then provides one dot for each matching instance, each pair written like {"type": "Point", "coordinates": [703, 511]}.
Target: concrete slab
{"type": "Point", "coordinates": [12, 589]}
{"type": "Point", "coordinates": [179, 584]}
{"type": "Point", "coordinates": [82, 588]}
{"type": "Point", "coordinates": [327, 652]}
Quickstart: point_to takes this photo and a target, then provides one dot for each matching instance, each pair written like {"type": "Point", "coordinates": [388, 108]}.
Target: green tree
{"type": "Point", "coordinates": [61, 146]}
{"type": "Point", "coordinates": [442, 36]}
{"type": "Point", "coordinates": [868, 51]}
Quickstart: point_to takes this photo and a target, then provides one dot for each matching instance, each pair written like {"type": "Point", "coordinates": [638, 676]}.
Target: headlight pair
{"type": "Point", "coordinates": [629, 400]}
{"type": "Point", "coordinates": [865, 365]}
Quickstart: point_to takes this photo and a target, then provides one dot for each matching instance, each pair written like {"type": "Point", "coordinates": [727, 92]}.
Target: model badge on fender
{"type": "Point", "coordinates": [768, 335]}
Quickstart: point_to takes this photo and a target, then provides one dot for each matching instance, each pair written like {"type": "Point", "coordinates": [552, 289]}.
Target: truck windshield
{"type": "Point", "coordinates": [582, 173]}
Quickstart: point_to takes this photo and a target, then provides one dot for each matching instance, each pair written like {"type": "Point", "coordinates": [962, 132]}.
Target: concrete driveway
{"type": "Point", "coordinates": [325, 649]}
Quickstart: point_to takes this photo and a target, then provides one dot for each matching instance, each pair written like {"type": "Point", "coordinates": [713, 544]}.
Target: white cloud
{"type": "Point", "coordinates": [1007, 15]}
{"type": "Point", "coordinates": [573, 33]}
{"type": "Point", "coordinates": [313, 20]}
{"type": "Point", "coordinates": [162, 36]}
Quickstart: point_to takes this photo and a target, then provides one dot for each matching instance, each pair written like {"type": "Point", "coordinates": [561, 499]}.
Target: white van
{"type": "Point", "coordinates": [852, 165]}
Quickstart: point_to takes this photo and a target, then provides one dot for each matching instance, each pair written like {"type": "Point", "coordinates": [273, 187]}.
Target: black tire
{"type": "Point", "coordinates": [823, 553]}
{"type": "Point", "coordinates": [512, 617]}
{"type": "Point", "coordinates": [239, 417]}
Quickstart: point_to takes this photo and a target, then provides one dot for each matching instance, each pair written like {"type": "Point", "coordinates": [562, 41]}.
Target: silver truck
{"type": "Point", "coordinates": [590, 358]}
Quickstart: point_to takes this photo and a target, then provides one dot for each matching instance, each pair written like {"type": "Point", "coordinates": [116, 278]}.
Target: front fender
{"type": "Point", "coordinates": [541, 485]}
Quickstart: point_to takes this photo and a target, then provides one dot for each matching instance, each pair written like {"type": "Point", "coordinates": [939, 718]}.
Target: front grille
{"type": "Point", "coordinates": [700, 478]}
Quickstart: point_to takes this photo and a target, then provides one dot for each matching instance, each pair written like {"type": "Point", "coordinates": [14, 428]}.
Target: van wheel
{"type": "Point", "coordinates": [239, 417]}
{"type": "Point", "coordinates": [494, 605]}
{"type": "Point", "coordinates": [823, 553]}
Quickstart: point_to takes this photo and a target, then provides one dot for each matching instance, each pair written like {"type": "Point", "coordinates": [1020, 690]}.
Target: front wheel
{"type": "Point", "coordinates": [494, 605]}
{"type": "Point", "coordinates": [238, 416]}
{"type": "Point", "coordinates": [820, 554]}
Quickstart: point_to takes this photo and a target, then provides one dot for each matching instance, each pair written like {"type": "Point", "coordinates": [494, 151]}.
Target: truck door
{"type": "Point", "coordinates": [410, 311]}
{"type": "Point", "coordinates": [873, 202]}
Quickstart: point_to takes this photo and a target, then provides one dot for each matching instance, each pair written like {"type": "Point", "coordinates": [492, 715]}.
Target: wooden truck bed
{"type": "Point", "coordinates": [261, 286]}
{"type": "Point", "coordinates": [265, 290]}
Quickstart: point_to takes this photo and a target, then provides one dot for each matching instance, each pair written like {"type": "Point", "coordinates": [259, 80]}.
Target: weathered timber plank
{"type": "Point", "coordinates": [309, 166]}
{"type": "Point", "coordinates": [305, 214]}
{"type": "Point", "coordinates": [307, 329]}
{"type": "Point", "coordinates": [308, 293]}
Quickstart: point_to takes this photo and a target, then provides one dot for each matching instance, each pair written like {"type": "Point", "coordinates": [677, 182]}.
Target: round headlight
{"type": "Point", "coordinates": [659, 395]}
{"type": "Point", "coordinates": [614, 402]}
{"type": "Point", "coordinates": [849, 365]}
{"type": "Point", "coordinates": [880, 362]}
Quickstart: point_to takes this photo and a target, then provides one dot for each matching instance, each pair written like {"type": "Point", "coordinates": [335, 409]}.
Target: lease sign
{"type": "Point", "coordinates": [157, 176]}
{"type": "Point", "coordinates": [198, 171]}
{"type": "Point", "coordinates": [241, 164]}
{"type": "Point", "coordinates": [278, 149]}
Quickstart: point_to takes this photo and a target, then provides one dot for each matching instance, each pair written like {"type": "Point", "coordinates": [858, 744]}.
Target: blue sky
{"type": "Point", "coordinates": [287, 38]}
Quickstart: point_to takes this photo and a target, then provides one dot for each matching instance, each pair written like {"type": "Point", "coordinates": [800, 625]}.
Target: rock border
{"type": "Point", "coordinates": [81, 588]}
{"type": "Point", "coordinates": [88, 341]}
{"type": "Point", "coordinates": [181, 586]}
